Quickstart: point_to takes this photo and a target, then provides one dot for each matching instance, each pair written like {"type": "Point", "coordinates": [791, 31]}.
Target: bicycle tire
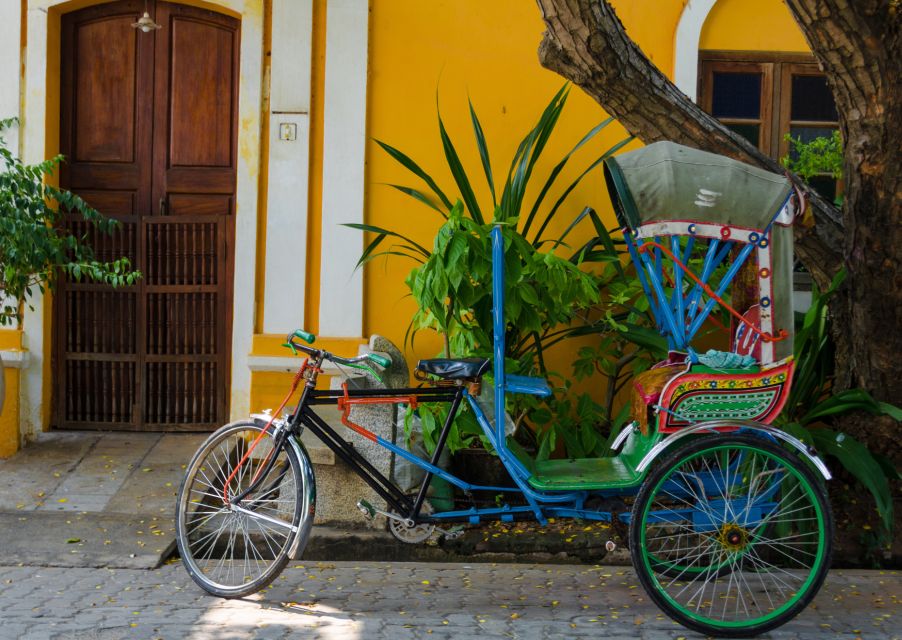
{"type": "Point", "coordinates": [232, 554]}
{"type": "Point", "coordinates": [774, 578]}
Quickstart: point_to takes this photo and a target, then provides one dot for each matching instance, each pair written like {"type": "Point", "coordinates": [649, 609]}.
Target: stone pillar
{"type": "Point", "coordinates": [338, 487]}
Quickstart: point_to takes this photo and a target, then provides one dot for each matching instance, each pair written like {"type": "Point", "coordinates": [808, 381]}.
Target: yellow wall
{"type": "Point", "coordinates": [486, 51]}
{"type": "Point", "coordinates": [452, 50]}
{"type": "Point", "coordinates": [652, 25]}
{"type": "Point", "coordinates": [9, 419]}
{"type": "Point", "coordinates": [10, 339]}
{"type": "Point", "coordinates": [752, 25]}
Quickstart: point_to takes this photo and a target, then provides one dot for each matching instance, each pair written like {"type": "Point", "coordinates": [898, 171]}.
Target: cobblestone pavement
{"type": "Point", "coordinates": [338, 601]}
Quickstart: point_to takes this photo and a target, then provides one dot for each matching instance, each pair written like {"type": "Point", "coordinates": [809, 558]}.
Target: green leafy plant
{"type": "Point", "coordinates": [509, 206]}
{"type": "Point", "coordinates": [823, 155]}
{"type": "Point", "coordinates": [465, 431]}
{"type": "Point", "coordinates": [35, 246]}
{"type": "Point", "coordinates": [819, 157]}
{"type": "Point", "coordinates": [586, 423]}
{"type": "Point", "coordinates": [453, 290]}
{"type": "Point", "coordinates": [812, 405]}
{"type": "Point", "coordinates": [554, 290]}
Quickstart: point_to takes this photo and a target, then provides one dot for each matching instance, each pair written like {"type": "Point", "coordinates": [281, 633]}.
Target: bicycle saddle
{"type": "Point", "coordinates": [462, 369]}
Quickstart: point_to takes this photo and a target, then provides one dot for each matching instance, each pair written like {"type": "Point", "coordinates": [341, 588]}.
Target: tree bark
{"type": "Point", "coordinates": [587, 44]}
{"type": "Point", "coordinates": [859, 51]}
{"type": "Point", "coordinates": [859, 47]}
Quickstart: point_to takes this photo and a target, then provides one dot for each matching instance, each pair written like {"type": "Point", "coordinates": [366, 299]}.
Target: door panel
{"type": "Point", "coordinates": [200, 86]}
{"type": "Point", "coordinates": [105, 104]}
{"type": "Point", "coordinates": [189, 265]}
{"type": "Point", "coordinates": [148, 121]}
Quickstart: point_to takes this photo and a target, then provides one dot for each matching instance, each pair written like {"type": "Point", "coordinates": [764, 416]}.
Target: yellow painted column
{"type": "Point", "coordinates": [13, 359]}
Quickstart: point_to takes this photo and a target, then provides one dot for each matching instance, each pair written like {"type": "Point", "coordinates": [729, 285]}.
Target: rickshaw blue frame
{"type": "Point", "coordinates": [684, 408]}
{"type": "Point", "coordinates": [646, 186]}
{"type": "Point", "coordinates": [643, 448]}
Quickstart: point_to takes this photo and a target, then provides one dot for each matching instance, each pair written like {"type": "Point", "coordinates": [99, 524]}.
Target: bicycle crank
{"type": "Point", "coordinates": [405, 529]}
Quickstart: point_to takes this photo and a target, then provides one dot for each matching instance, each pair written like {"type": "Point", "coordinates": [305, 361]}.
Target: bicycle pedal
{"type": "Point", "coordinates": [368, 510]}
{"type": "Point", "coordinates": [451, 534]}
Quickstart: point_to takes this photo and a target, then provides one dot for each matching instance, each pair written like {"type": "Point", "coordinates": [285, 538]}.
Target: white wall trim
{"type": "Point", "coordinates": [14, 358]}
{"type": "Point", "coordinates": [33, 136]}
{"type": "Point", "coordinates": [292, 39]}
{"type": "Point", "coordinates": [33, 145]}
{"type": "Point", "coordinates": [284, 291]}
{"type": "Point", "coordinates": [344, 157]}
{"type": "Point", "coordinates": [10, 68]}
{"type": "Point", "coordinates": [688, 34]}
{"type": "Point", "coordinates": [246, 196]}
{"type": "Point", "coordinates": [284, 364]}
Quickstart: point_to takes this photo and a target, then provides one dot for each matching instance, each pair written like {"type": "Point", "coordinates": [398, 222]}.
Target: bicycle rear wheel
{"type": "Point", "coordinates": [731, 535]}
{"type": "Point", "coordinates": [235, 550]}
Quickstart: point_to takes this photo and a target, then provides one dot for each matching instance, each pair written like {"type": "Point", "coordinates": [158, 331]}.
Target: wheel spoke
{"type": "Point", "coordinates": [238, 550]}
{"type": "Point", "coordinates": [731, 534]}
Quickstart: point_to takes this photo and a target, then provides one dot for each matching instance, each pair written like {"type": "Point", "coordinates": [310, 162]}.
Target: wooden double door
{"type": "Point", "coordinates": [149, 127]}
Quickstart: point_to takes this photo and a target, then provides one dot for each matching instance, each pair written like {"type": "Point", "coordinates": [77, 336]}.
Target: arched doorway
{"type": "Point", "coordinates": [148, 122]}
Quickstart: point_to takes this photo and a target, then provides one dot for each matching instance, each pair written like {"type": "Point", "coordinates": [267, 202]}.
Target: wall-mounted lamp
{"type": "Point", "coordinates": [146, 23]}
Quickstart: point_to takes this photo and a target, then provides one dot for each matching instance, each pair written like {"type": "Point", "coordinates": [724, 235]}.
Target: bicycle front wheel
{"type": "Point", "coordinates": [731, 535]}
{"type": "Point", "coordinates": [234, 550]}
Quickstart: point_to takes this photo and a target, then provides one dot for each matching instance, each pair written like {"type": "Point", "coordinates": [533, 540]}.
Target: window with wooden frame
{"type": "Point", "coordinates": [766, 95]}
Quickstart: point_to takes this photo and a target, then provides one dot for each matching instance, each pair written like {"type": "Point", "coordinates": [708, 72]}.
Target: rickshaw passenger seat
{"type": "Point", "coordinates": [647, 387]}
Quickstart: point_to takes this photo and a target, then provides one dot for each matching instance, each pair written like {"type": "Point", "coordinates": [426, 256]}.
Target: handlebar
{"type": "Point", "coordinates": [381, 361]}
{"type": "Point", "coordinates": [306, 336]}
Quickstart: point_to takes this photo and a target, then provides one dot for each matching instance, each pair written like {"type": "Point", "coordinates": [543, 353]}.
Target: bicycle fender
{"type": "Point", "coordinates": [308, 500]}
{"type": "Point", "coordinates": [714, 426]}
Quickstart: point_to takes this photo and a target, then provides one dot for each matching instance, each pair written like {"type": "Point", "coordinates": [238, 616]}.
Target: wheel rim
{"type": "Point", "coordinates": [747, 539]}
{"type": "Point", "coordinates": [230, 547]}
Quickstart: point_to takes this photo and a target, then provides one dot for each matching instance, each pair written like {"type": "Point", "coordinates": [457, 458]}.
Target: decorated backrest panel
{"type": "Point", "coordinates": [705, 231]}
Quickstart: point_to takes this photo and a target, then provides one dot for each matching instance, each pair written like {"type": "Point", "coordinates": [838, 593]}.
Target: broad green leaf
{"type": "Point", "coordinates": [846, 401]}
{"type": "Point", "coordinates": [555, 172]}
{"type": "Point", "coordinates": [646, 338]}
{"type": "Point", "coordinates": [418, 195]}
{"type": "Point", "coordinates": [856, 458]}
{"type": "Point", "coordinates": [415, 169]}
{"type": "Point", "coordinates": [374, 229]}
{"type": "Point", "coordinates": [483, 152]}
{"type": "Point", "coordinates": [459, 174]}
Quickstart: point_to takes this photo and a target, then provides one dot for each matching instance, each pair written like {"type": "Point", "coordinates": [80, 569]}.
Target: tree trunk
{"type": "Point", "coordinates": [859, 51]}
{"type": "Point", "coordinates": [859, 47]}
{"type": "Point", "coordinates": [587, 44]}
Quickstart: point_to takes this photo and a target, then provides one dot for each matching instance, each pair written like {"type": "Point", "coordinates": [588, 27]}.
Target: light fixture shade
{"type": "Point", "coordinates": [146, 24]}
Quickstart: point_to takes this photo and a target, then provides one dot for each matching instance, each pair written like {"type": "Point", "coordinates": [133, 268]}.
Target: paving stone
{"type": "Point", "coordinates": [479, 601]}
{"type": "Point", "coordinates": [127, 475]}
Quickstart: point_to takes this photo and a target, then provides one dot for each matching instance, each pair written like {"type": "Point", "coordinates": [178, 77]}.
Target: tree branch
{"type": "Point", "coordinates": [586, 43]}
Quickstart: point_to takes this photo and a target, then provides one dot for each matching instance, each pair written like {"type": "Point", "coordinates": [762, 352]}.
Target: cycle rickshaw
{"type": "Point", "coordinates": [730, 530]}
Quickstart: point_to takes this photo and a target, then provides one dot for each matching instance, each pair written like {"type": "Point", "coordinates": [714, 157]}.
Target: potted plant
{"type": "Point", "coordinates": [555, 291]}
{"type": "Point", "coordinates": [36, 248]}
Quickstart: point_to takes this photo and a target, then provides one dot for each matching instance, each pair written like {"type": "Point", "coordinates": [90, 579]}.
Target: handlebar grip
{"type": "Point", "coordinates": [382, 361]}
{"type": "Point", "coordinates": [306, 336]}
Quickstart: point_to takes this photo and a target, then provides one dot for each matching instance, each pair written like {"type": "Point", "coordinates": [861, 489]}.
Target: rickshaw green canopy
{"type": "Point", "coordinates": [667, 181]}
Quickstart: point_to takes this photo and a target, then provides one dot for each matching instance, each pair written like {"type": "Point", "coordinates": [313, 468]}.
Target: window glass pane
{"type": "Point", "coordinates": [736, 95]}
{"type": "Point", "coordinates": [807, 134]}
{"type": "Point", "coordinates": [824, 185]}
{"type": "Point", "coordinates": [812, 100]}
{"type": "Point", "coordinates": [750, 132]}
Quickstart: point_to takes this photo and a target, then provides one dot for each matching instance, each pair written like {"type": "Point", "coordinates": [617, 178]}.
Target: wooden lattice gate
{"type": "Point", "coordinates": [148, 126]}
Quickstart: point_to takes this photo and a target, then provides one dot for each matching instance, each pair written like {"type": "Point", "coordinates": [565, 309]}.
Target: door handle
{"type": "Point", "coordinates": [163, 206]}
